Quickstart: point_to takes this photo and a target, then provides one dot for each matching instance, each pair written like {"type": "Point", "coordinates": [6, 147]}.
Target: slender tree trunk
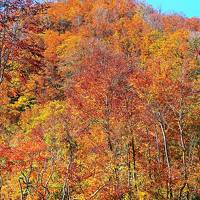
{"type": "Point", "coordinates": [149, 152]}
{"type": "Point", "coordinates": [169, 190]}
{"type": "Point", "coordinates": [71, 156]}
{"type": "Point", "coordinates": [134, 162]}
{"type": "Point", "coordinates": [21, 190]}
{"type": "Point", "coordinates": [109, 140]}
{"type": "Point", "coordinates": [157, 146]}
{"type": "Point", "coordinates": [180, 125]}
{"type": "Point", "coordinates": [130, 194]}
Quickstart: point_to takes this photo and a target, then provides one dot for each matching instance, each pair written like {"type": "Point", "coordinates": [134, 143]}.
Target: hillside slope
{"type": "Point", "coordinates": [98, 100]}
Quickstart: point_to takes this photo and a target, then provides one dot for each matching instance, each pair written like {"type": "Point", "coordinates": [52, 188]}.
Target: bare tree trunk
{"type": "Point", "coordinates": [72, 149]}
{"type": "Point", "coordinates": [169, 190]}
{"type": "Point", "coordinates": [149, 152]}
{"type": "Point", "coordinates": [66, 192]}
{"type": "Point", "coordinates": [21, 190]}
{"type": "Point", "coordinates": [157, 146]}
{"type": "Point", "coordinates": [108, 132]}
{"type": "Point", "coordinates": [180, 125]}
{"type": "Point", "coordinates": [129, 173]}
{"type": "Point", "coordinates": [134, 161]}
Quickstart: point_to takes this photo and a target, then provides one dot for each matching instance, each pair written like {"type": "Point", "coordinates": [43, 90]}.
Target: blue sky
{"type": "Point", "coordinates": [189, 8]}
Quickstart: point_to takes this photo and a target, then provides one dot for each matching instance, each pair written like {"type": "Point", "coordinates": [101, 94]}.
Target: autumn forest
{"type": "Point", "coordinates": [99, 100]}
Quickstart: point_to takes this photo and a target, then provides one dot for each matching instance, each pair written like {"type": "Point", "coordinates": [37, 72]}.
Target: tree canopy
{"type": "Point", "coordinates": [98, 100]}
